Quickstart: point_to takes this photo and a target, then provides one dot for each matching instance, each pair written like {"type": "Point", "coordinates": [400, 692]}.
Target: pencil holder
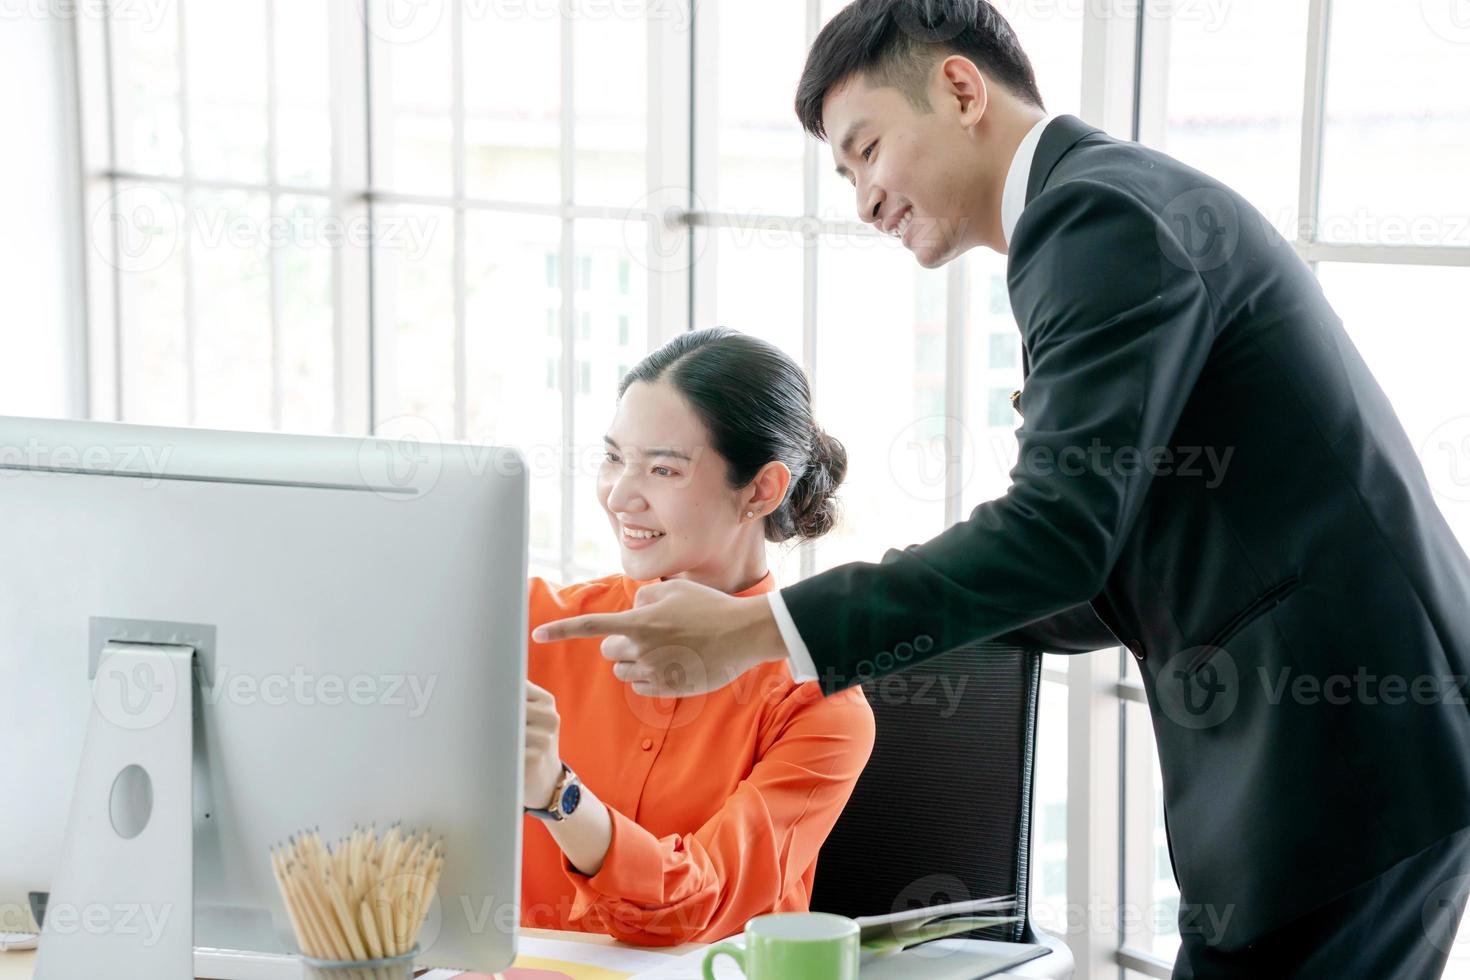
{"type": "Point", "coordinates": [388, 968]}
{"type": "Point", "coordinates": [356, 909]}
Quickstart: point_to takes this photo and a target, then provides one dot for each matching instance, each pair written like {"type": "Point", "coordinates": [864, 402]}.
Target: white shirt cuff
{"type": "Point", "coordinates": [803, 668]}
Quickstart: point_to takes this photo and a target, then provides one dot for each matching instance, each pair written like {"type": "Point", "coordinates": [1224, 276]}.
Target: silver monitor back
{"type": "Point", "coordinates": [366, 604]}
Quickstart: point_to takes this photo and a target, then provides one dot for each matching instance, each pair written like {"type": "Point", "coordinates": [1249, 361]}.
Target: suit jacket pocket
{"type": "Point", "coordinates": [1256, 608]}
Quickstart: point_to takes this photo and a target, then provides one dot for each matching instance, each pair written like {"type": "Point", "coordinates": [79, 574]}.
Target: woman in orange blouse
{"type": "Point", "coordinates": [694, 814]}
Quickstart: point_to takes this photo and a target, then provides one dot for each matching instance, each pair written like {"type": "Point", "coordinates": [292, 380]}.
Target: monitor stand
{"type": "Point", "coordinates": [123, 899]}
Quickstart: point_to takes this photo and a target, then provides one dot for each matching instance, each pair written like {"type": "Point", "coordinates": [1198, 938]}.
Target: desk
{"type": "Point", "coordinates": [1056, 965]}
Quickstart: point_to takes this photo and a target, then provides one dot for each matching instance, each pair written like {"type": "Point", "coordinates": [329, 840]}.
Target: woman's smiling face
{"type": "Point", "coordinates": [665, 489]}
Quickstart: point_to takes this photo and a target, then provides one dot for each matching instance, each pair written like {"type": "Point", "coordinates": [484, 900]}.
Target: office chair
{"type": "Point", "coordinates": [942, 813]}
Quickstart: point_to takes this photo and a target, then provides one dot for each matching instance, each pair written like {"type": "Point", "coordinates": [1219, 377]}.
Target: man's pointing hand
{"type": "Point", "coordinates": [679, 638]}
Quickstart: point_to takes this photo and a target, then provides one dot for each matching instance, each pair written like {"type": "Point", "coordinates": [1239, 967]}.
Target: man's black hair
{"type": "Point", "coordinates": [895, 43]}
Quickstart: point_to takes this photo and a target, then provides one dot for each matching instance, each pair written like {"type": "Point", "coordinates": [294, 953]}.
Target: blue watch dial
{"type": "Point", "coordinates": [570, 797]}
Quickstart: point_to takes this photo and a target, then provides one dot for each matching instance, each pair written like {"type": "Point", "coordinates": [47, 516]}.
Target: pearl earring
{"type": "Point", "coordinates": [750, 513]}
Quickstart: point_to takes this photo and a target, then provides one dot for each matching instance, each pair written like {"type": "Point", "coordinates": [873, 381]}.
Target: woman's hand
{"type": "Point", "coordinates": [543, 749]}
{"type": "Point", "coordinates": [585, 836]}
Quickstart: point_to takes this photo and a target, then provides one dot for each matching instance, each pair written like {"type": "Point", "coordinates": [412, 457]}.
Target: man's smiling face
{"type": "Point", "coordinates": [913, 170]}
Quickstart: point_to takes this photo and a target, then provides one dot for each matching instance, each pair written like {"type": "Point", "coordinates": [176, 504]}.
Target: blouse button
{"type": "Point", "coordinates": [647, 744]}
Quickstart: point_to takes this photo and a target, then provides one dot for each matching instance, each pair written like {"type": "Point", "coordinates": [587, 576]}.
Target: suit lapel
{"type": "Point", "coordinates": [1059, 136]}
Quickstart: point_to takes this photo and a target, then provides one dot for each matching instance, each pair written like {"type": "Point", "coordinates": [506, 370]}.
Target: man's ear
{"type": "Point", "coordinates": [962, 88]}
{"type": "Point", "coordinates": [766, 492]}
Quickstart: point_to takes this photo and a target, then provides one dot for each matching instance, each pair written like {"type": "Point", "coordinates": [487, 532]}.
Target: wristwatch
{"type": "Point", "coordinates": [564, 798]}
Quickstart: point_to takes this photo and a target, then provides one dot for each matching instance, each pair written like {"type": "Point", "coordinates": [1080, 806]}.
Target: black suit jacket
{"type": "Point", "coordinates": [1163, 320]}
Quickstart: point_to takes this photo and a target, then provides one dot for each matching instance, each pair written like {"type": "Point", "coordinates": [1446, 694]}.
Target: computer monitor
{"type": "Point", "coordinates": [358, 607]}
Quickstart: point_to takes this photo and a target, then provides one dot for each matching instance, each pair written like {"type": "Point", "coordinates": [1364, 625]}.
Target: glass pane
{"type": "Point", "coordinates": [612, 336]}
{"type": "Point", "coordinates": [1224, 94]}
{"type": "Point", "coordinates": [1049, 812]}
{"type": "Point", "coordinates": [757, 142]}
{"type": "Point", "coordinates": [1408, 323]}
{"type": "Point", "coordinates": [835, 196]}
{"type": "Point", "coordinates": [880, 391]}
{"type": "Point", "coordinates": [758, 284]}
{"type": "Point", "coordinates": [993, 371]}
{"type": "Point", "coordinates": [232, 310]}
{"type": "Point", "coordinates": [1150, 894]}
{"type": "Point", "coordinates": [303, 94]}
{"type": "Point", "coordinates": [411, 65]}
{"type": "Point", "coordinates": [512, 94]}
{"type": "Point", "coordinates": [413, 252]}
{"type": "Point", "coordinates": [1051, 36]}
{"type": "Point", "coordinates": [1458, 966]}
{"type": "Point", "coordinates": [226, 64]}
{"type": "Point", "coordinates": [145, 89]}
{"type": "Point", "coordinates": [513, 345]}
{"type": "Point", "coordinates": [308, 348]}
{"type": "Point", "coordinates": [147, 224]}
{"type": "Point", "coordinates": [1395, 156]}
{"type": "Point", "coordinates": [610, 83]}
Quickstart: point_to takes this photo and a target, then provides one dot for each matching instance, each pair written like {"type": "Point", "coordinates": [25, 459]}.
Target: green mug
{"type": "Point", "coordinates": [793, 946]}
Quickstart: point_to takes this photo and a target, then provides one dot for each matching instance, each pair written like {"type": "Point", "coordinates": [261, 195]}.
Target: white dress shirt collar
{"type": "Point", "coordinates": [1013, 194]}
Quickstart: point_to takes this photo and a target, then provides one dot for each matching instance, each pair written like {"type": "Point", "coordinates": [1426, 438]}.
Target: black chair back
{"type": "Point", "coordinates": [942, 813]}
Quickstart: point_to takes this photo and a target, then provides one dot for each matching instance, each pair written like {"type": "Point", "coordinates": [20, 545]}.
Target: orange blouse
{"type": "Point", "coordinates": [719, 802]}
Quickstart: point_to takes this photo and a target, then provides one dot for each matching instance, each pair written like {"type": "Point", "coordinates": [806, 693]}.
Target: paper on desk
{"type": "Point", "coordinates": [553, 959]}
{"type": "Point", "coordinates": [945, 959]}
{"type": "Point", "coordinates": [559, 959]}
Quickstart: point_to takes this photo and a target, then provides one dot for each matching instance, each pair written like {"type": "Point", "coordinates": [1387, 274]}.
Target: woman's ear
{"type": "Point", "coordinates": [766, 492]}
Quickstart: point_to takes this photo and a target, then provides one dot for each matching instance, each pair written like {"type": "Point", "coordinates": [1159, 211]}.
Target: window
{"type": "Point", "coordinates": [512, 154]}
{"type": "Point", "coordinates": [41, 369]}
{"type": "Point", "coordinates": [1004, 349]}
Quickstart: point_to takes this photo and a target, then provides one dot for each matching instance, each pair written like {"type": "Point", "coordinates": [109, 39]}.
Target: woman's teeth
{"type": "Point", "coordinates": [642, 535]}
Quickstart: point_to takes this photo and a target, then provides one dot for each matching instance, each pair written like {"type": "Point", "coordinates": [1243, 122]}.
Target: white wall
{"type": "Point", "coordinates": [39, 301]}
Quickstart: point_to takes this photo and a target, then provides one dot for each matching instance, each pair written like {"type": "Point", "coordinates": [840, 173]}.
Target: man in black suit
{"type": "Point", "coordinates": [1208, 475]}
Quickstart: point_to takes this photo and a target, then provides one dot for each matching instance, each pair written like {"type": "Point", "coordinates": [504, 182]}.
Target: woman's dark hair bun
{"type": "Point", "coordinates": [812, 501]}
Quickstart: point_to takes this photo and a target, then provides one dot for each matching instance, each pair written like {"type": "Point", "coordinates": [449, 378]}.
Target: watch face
{"type": "Point", "coordinates": [570, 797]}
